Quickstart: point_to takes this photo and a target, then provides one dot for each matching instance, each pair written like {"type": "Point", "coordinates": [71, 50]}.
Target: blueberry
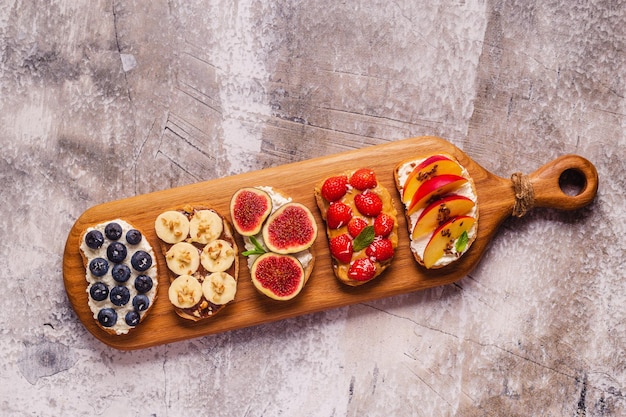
{"type": "Point", "coordinates": [98, 266]}
{"type": "Point", "coordinates": [133, 236]}
{"type": "Point", "coordinates": [113, 231]}
{"type": "Point", "coordinates": [116, 252]}
{"type": "Point", "coordinates": [141, 260]}
{"type": "Point", "coordinates": [120, 273]}
{"type": "Point", "coordinates": [94, 239]}
{"type": "Point", "coordinates": [107, 317]}
{"type": "Point", "coordinates": [141, 302]}
{"type": "Point", "coordinates": [119, 295]}
{"type": "Point", "coordinates": [132, 318]}
{"type": "Point", "coordinates": [99, 291]}
{"type": "Point", "coordinates": [143, 283]}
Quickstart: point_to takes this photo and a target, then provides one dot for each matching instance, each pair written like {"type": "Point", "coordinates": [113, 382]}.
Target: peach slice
{"type": "Point", "coordinates": [428, 168]}
{"type": "Point", "coordinates": [433, 188]}
{"type": "Point", "coordinates": [439, 212]}
{"type": "Point", "coordinates": [445, 237]}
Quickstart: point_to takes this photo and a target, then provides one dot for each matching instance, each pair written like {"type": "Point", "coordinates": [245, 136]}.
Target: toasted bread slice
{"type": "Point", "coordinates": [355, 255]}
{"type": "Point", "coordinates": [447, 206]}
{"type": "Point", "coordinates": [201, 229]}
{"type": "Point", "coordinates": [306, 257]}
{"type": "Point", "coordinates": [123, 279]}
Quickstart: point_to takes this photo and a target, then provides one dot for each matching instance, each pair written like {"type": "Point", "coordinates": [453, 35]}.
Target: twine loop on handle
{"type": "Point", "coordinates": [524, 194]}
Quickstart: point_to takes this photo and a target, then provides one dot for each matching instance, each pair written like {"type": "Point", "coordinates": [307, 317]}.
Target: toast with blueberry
{"type": "Point", "coordinates": [121, 275]}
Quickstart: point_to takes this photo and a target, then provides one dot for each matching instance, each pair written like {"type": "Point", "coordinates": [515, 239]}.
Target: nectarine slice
{"type": "Point", "coordinates": [432, 188]}
{"type": "Point", "coordinates": [428, 168]}
{"type": "Point", "coordinates": [444, 238]}
{"type": "Point", "coordinates": [439, 212]}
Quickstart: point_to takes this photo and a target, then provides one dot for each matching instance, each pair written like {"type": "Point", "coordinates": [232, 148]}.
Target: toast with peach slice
{"type": "Point", "coordinates": [441, 208]}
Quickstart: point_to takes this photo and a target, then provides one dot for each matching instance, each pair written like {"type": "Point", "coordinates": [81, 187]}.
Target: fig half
{"type": "Point", "coordinates": [249, 207]}
{"type": "Point", "coordinates": [290, 229]}
{"type": "Point", "coordinates": [280, 277]}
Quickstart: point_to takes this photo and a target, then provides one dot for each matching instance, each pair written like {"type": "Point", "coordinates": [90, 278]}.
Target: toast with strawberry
{"type": "Point", "coordinates": [361, 224]}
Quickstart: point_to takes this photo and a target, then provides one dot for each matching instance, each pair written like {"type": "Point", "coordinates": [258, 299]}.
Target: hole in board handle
{"type": "Point", "coordinates": [572, 182]}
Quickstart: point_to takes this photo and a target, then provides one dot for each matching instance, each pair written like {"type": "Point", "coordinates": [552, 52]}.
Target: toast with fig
{"type": "Point", "coordinates": [278, 234]}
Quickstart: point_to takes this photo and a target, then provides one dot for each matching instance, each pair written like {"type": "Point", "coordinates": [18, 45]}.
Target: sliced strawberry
{"type": "Point", "coordinates": [363, 269]}
{"type": "Point", "coordinates": [380, 250]}
{"type": "Point", "coordinates": [368, 203]}
{"type": "Point", "coordinates": [356, 225]}
{"type": "Point", "coordinates": [341, 248]}
{"type": "Point", "coordinates": [383, 225]}
{"type": "Point", "coordinates": [363, 178]}
{"type": "Point", "coordinates": [334, 188]}
{"type": "Point", "coordinates": [339, 214]}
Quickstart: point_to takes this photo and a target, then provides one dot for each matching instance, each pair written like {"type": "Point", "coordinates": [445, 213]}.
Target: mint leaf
{"type": "Point", "coordinates": [364, 238]}
{"type": "Point", "coordinates": [258, 249]}
{"type": "Point", "coordinates": [461, 242]}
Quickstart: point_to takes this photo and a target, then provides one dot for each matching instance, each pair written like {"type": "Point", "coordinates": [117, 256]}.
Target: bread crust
{"type": "Point", "coordinates": [400, 187]}
{"type": "Point", "coordinates": [85, 261]}
{"type": "Point", "coordinates": [204, 309]}
{"type": "Point", "coordinates": [389, 208]}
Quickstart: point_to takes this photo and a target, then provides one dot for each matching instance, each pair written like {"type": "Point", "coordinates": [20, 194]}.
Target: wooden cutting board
{"type": "Point", "coordinates": [496, 198]}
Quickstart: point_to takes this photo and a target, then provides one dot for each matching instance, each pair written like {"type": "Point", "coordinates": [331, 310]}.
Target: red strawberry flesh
{"type": "Point", "coordinates": [363, 178]}
{"type": "Point", "coordinates": [368, 203]}
{"type": "Point", "coordinates": [334, 188]}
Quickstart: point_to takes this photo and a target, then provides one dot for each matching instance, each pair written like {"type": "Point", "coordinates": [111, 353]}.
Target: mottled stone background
{"type": "Point", "coordinates": [103, 99]}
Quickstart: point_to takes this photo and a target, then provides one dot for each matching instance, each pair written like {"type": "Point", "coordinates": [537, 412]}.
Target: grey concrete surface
{"type": "Point", "coordinates": [102, 100]}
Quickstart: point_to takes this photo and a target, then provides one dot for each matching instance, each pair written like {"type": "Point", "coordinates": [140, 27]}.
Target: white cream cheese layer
{"type": "Point", "coordinates": [418, 246]}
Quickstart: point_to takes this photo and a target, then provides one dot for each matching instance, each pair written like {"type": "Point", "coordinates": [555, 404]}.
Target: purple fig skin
{"type": "Point", "coordinates": [249, 207]}
{"type": "Point", "coordinates": [290, 229]}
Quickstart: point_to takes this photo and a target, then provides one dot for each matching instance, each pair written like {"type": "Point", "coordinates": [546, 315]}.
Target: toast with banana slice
{"type": "Point", "coordinates": [202, 260]}
{"type": "Point", "coordinates": [121, 274]}
{"type": "Point", "coordinates": [277, 234]}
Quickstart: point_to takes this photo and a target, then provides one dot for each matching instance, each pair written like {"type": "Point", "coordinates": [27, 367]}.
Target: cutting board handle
{"type": "Point", "coordinates": [569, 182]}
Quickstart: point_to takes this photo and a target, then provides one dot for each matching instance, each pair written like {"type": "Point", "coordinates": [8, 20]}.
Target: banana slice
{"type": "Point", "coordinates": [205, 226]}
{"type": "Point", "coordinates": [219, 288]}
{"type": "Point", "coordinates": [185, 291]}
{"type": "Point", "coordinates": [217, 256]}
{"type": "Point", "coordinates": [183, 258]}
{"type": "Point", "coordinates": [172, 226]}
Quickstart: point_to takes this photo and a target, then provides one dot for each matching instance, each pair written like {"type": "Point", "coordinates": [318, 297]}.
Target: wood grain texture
{"type": "Point", "coordinates": [495, 196]}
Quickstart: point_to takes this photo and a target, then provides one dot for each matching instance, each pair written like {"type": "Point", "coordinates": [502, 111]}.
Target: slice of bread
{"type": "Point", "coordinates": [197, 236]}
{"type": "Point", "coordinates": [442, 211]}
{"type": "Point", "coordinates": [347, 272]}
{"type": "Point", "coordinates": [306, 257]}
{"type": "Point", "coordinates": [121, 275]}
